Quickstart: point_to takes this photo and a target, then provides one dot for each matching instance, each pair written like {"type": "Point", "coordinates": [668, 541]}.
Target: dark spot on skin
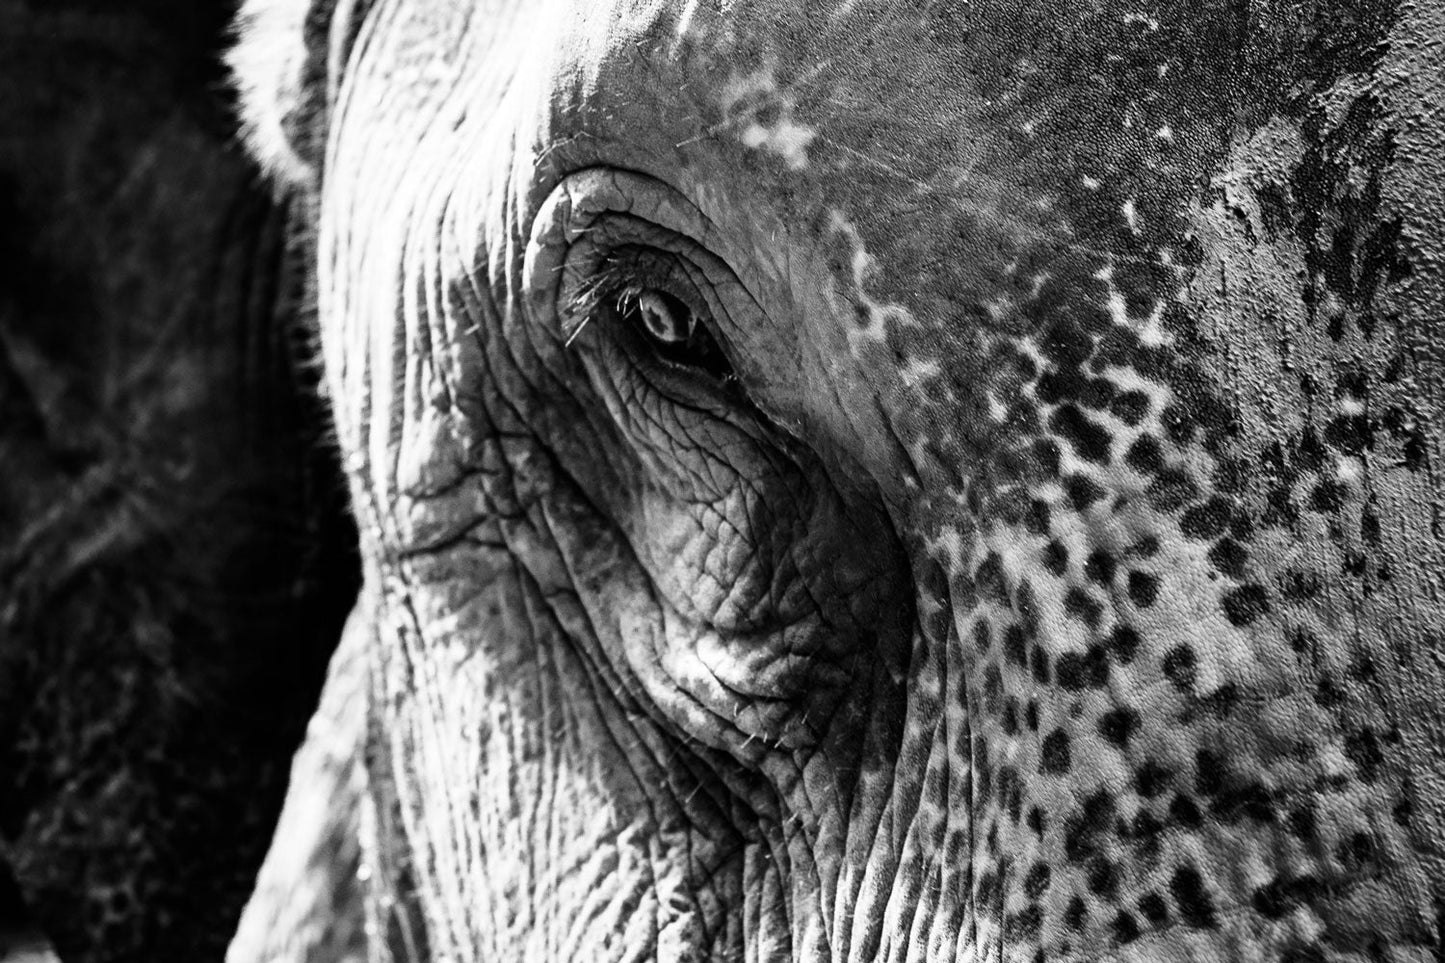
{"type": "Point", "coordinates": [985, 892]}
{"type": "Point", "coordinates": [1035, 820]}
{"type": "Point", "coordinates": [1279, 510]}
{"type": "Point", "coordinates": [1228, 557]}
{"type": "Point", "coordinates": [1179, 666]}
{"type": "Point", "coordinates": [1328, 693]}
{"type": "Point", "coordinates": [1146, 547]}
{"type": "Point", "coordinates": [1310, 454]}
{"type": "Point", "coordinates": [1126, 928]}
{"type": "Point", "coordinates": [1184, 812]}
{"type": "Point", "coordinates": [1055, 757]}
{"type": "Point", "coordinates": [1151, 779]}
{"type": "Point", "coordinates": [1231, 475]}
{"type": "Point", "coordinates": [1086, 831]}
{"type": "Point", "coordinates": [1336, 326]}
{"type": "Point", "coordinates": [1014, 647]}
{"type": "Point", "coordinates": [1080, 605]}
{"type": "Point", "coordinates": [1056, 558]}
{"type": "Point", "coordinates": [1010, 716]}
{"type": "Point", "coordinates": [1209, 772]}
{"type": "Point", "coordinates": [1130, 407]}
{"type": "Point", "coordinates": [1082, 492]}
{"type": "Point", "coordinates": [1010, 506]}
{"type": "Point", "coordinates": [1363, 749]}
{"type": "Point", "coordinates": [1027, 608]}
{"type": "Point", "coordinates": [1195, 906]}
{"type": "Point", "coordinates": [1119, 725]}
{"type": "Point", "coordinates": [1041, 665]}
{"type": "Point", "coordinates": [990, 581]}
{"type": "Point", "coordinates": [1098, 393]}
{"type": "Point", "coordinates": [1089, 439]}
{"type": "Point", "coordinates": [1302, 823]}
{"type": "Point", "coordinates": [1358, 852]}
{"type": "Point", "coordinates": [1011, 792]}
{"type": "Point", "coordinates": [1100, 567]}
{"type": "Point", "coordinates": [1103, 878]}
{"type": "Point", "coordinates": [1077, 914]}
{"type": "Point", "coordinates": [1123, 642]}
{"type": "Point", "coordinates": [1243, 605]}
{"type": "Point", "coordinates": [1241, 527]}
{"type": "Point", "coordinates": [1172, 489]}
{"type": "Point", "coordinates": [1178, 426]}
{"type": "Point", "coordinates": [1145, 456]}
{"type": "Point", "coordinates": [1362, 669]}
{"type": "Point", "coordinates": [1036, 884]}
{"type": "Point", "coordinates": [1066, 345]}
{"type": "Point", "coordinates": [1145, 833]}
{"type": "Point", "coordinates": [1037, 519]}
{"type": "Point", "coordinates": [1410, 430]}
{"type": "Point", "coordinates": [1024, 926]}
{"type": "Point", "coordinates": [1205, 521]}
{"type": "Point", "coordinates": [1031, 716]}
{"type": "Point", "coordinates": [1299, 586]}
{"type": "Point", "coordinates": [1281, 895]}
{"type": "Point", "coordinates": [1143, 589]}
{"type": "Point", "coordinates": [1370, 527]}
{"type": "Point", "coordinates": [982, 635]}
{"type": "Point", "coordinates": [1404, 810]}
{"type": "Point", "coordinates": [992, 690]}
{"type": "Point", "coordinates": [1328, 497]}
{"type": "Point", "coordinates": [1154, 909]}
{"type": "Point", "coordinates": [1076, 672]}
{"type": "Point", "coordinates": [1303, 641]}
{"type": "Point", "coordinates": [1251, 800]}
{"type": "Point", "coordinates": [1221, 701]}
{"type": "Point", "coordinates": [1045, 453]}
{"type": "Point", "coordinates": [1351, 434]}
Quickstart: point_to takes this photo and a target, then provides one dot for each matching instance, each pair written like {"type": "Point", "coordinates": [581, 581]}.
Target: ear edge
{"type": "Point", "coordinates": [272, 65]}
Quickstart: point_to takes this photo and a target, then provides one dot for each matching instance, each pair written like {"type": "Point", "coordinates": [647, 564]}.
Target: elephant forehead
{"type": "Point", "coordinates": [951, 137]}
{"type": "Point", "coordinates": [968, 147]}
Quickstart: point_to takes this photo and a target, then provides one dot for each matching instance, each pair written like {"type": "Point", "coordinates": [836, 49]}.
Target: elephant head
{"type": "Point", "coordinates": [871, 481]}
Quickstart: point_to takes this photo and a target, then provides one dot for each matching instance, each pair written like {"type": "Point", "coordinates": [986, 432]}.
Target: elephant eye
{"type": "Point", "coordinates": [666, 319]}
{"type": "Point", "coordinates": [673, 330]}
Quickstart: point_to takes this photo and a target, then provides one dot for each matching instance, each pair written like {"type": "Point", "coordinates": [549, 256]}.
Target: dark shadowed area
{"type": "Point", "coordinates": [175, 560]}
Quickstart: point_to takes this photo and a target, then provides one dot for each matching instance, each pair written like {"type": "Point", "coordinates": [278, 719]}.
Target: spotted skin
{"type": "Point", "coordinates": [1163, 755]}
{"type": "Point", "coordinates": [1115, 313]}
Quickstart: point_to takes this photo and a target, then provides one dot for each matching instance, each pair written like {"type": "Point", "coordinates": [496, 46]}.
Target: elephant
{"type": "Point", "coordinates": [870, 481]}
{"type": "Point", "coordinates": [175, 548]}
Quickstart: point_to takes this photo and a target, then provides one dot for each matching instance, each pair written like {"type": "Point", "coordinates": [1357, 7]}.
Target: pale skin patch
{"type": "Point", "coordinates": [1149, 329]}
{"type": "Point", "coordinates": [1131, 216]}
{"type": "Point", "coordinates": [762, 114]}
{"type": "Point", "coordinates": [878, 313]}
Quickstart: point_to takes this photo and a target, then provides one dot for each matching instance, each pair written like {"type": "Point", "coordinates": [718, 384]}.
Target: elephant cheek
{"type": "Point", "coordinates": [532, 809]}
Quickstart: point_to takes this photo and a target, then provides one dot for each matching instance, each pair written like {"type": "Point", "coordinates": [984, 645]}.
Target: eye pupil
{"type": "Point", "coordinates": [665, 318]}
{"type": "Point", "coordinates": [673, 330]}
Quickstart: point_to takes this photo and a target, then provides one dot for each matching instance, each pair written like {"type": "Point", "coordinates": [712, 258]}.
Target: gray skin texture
{"type": "Point", "coordinates": [1052, 573]}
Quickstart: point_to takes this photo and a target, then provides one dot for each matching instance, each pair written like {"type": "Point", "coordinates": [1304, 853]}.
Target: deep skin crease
{"type": "Point", "coordinates": [1055, 580]}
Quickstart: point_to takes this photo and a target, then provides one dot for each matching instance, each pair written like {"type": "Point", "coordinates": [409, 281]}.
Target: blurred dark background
{"type": "Point", "coordinates": [175, 557]}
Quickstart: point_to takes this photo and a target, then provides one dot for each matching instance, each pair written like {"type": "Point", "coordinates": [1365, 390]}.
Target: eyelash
{"type": "Point", "coordinates": [615, 290]}
{"type": "Point", "coordinates": [614, 280]}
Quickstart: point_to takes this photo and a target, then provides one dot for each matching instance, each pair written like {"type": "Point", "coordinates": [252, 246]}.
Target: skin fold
{"type": "Point", "coordinates": [1036, 555]}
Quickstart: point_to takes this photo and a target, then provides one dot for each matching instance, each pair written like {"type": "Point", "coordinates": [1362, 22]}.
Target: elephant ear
{"type": "Point", "coordinates": [283, 64]}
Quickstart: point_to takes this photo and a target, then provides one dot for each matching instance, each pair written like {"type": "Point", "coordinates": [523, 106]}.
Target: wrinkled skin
{"type": "Point", "coordinates": [1050, 572]}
